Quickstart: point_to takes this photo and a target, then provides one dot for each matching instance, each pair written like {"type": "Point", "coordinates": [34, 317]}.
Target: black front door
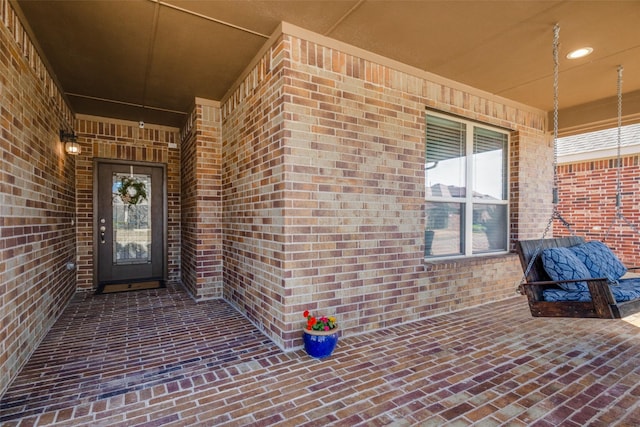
{"type": "Point", "coordinates": [130, 224]}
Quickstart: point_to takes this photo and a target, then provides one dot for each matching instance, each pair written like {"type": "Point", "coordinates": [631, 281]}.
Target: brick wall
{"type": "Point", "coordinates": [587, 200]}
{"type": "Point", "coordinates": [37, 200]}
{"type": "Point", "coordinates": [202, 202]}
{"type": "Point", "coordinates": [323, 182]}
{"type": "Point", "coordinates": [189, 204]}
{"type": "Point", "coordinates": [531, 167]}
{"type": "Point", "coordinates": [102, 138]}
{"type": "Point", "coordinates": [254, 211]}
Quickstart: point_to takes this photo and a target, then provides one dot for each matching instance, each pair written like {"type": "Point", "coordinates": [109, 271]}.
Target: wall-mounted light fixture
{"type": "Point", "coordinates": [71, 146]}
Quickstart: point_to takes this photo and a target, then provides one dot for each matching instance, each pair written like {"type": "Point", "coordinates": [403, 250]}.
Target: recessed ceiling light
{"type": "Point", "coordinates": [579, 53]}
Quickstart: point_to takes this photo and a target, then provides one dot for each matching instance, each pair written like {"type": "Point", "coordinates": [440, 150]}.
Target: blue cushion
{"type": "Point", "coordinates": [562, 264]}
{"type": "Point", "coordinates": [562, 295]}
{"type": "Point", "coordinates": [600, 260]}
{"type": "Point", "coordinates": [627, 290]}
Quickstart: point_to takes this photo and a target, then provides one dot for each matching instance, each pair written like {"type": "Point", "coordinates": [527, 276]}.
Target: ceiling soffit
{"type": "Point", "coordinates": [148, 60]}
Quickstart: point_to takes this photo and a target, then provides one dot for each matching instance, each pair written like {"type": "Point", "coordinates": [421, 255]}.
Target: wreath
{"type": "Point", "coordinates": [131, 190]}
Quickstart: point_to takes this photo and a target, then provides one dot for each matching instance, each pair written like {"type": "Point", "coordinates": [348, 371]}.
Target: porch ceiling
{"type": "Point", "coordinates": [148, 60]}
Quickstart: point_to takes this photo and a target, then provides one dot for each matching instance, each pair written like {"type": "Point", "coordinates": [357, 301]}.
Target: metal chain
{"type": "Point", "coordinates": [618, 214]}
{"type": "Point", "coordinates": [556, 213]}
{"type": "Point", "coordinates": [556, 38]}
{"type": "Point", "coordinates": [556, 78]}
{"type": "Point", "coordinates": [619, 164]}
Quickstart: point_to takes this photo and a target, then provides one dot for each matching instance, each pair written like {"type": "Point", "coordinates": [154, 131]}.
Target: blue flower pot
{"type": "Point", "coordinates": [320, 344]}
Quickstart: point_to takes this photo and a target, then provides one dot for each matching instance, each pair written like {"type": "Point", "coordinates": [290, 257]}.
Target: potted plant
{"type": "Point", "coordinates": [320, 335]}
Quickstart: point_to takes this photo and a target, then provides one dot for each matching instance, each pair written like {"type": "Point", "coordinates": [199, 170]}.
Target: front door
{"type": "Point", "coordinates": [130, 224]}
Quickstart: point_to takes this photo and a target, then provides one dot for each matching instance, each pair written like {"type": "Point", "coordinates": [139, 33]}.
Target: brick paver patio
{"type": "Point", "coordinates": [159, 358]}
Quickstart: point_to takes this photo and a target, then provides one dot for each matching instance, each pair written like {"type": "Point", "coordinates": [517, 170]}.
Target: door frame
{"type": "Point", "coordinates": [164, 220]}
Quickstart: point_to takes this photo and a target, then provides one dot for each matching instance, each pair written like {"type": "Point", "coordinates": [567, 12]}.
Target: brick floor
{"type": "Point", "coordinates": [156, 358]}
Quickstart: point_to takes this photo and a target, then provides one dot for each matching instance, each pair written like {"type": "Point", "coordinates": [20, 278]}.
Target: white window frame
{"type": "Point", "coordinates": [469, 201]}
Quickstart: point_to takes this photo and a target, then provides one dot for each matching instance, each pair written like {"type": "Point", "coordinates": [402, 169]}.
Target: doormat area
{"type": "Point", "coordinates": [125, 287]}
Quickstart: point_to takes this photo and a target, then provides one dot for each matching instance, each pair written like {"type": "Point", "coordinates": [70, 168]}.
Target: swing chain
{"type": "Point", "coordinates": [556, 213]}
{"type": "Point", "coordinates": [619, 214]}
{"type": "Point", "coordinates": [619, 162]}
{"type": "Point", "coordinates": [556, 85]}
{"type": "Point", "coordinates": [556, 78]}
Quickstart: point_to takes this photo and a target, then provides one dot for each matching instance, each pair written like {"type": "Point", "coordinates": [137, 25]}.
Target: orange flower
{"type": "Point", "coordinates": [311, 322]}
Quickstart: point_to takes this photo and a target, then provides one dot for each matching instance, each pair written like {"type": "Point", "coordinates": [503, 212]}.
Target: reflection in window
{"type": "Point", "coordinates": [489, 232]}
{"type": "Point", "coordinates": [445, 225]}
{"type": "Point", "coordinates": [466, 188]}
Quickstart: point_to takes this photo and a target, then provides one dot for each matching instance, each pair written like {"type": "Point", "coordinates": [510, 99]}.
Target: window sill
{"type": "Point", "coordinates": [477, 259]}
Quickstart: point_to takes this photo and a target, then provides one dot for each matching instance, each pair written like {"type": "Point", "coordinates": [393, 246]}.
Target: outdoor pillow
{"type": "Point", "coordinates": [562, 264]}
{"type": "Point", "coordinates": [600, 260]}
{"type": "Point", "coordinates": [553, 295]}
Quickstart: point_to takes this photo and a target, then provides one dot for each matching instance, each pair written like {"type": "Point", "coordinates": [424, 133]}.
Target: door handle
{"type": "Point", "coordinates": [103, 229]}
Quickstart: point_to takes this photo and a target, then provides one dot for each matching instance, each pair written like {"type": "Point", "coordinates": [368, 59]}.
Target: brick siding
{"type": "Point", "coordinates": [587, 200]}
{"type": "Point", "coordinates": [201, 197]}
{"type": "Point", "coordinates": [37, 199]}
{"type": "Point", "coordinates": [253, 185]}
{"type": "Point", "coordinates": [531, 167]}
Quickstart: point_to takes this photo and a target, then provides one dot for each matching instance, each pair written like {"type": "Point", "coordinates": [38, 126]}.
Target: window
{"type": "Point", "coordinates": [466, 169]}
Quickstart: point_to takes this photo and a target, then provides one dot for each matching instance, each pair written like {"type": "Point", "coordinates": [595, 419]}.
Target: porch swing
{"type": "Point", "coordinates": [566, 276]}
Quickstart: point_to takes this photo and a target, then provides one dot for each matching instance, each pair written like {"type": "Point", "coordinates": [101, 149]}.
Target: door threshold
{"type": "Point", "coordinates": [109, 288]}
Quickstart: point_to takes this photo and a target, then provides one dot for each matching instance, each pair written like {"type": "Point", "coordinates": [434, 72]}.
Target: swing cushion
{"type": "Point", "coordinates": [600, 260]}
{"type": "Point", "coordinates": [563, 264]}
{"type": "Point", "coordinates": [627, 290]}
{"type": "Point", "coordinates": [554, 295]}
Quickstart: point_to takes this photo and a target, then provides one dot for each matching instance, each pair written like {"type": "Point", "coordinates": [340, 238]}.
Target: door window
{"type": "Point", "coordinates": [131, 226]}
